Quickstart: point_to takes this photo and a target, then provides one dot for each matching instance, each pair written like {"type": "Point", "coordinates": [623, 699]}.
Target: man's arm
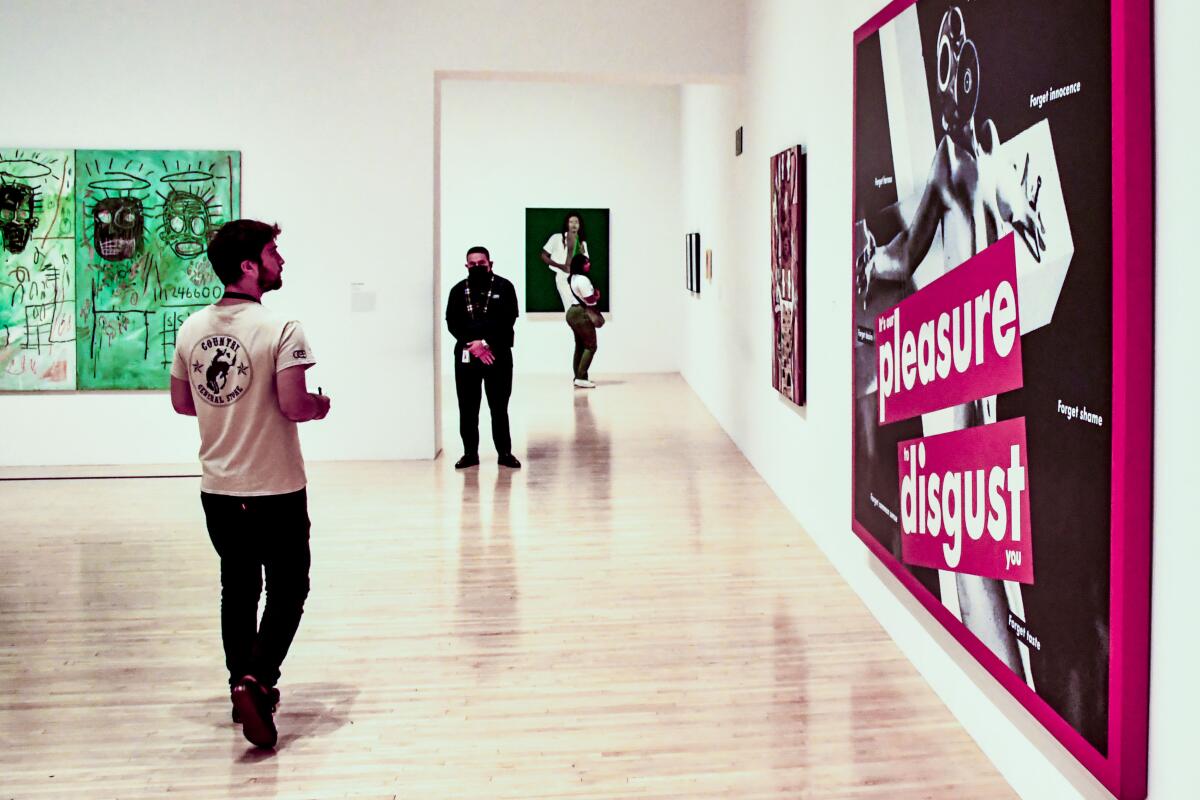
{"type": "Point", "coordinates": [455, 316]}
{"type": "Point", "coordinates": [1017, 191]}
{"type": "Point", "coordinates": [898, 259]}
{"type": "Point", "coordinates": [181, 397]}
{"type": "Point", "coordinates": [901, 256]}
{"type": "Point", "coordinates": [295, 401]}
{"type": "Point", "coordinates": [553, 264]}
{"type": "Point", "coordinates": [460, 328]}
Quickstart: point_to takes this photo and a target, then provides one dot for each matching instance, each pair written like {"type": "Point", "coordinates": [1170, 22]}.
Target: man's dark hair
{"type": "Point", "coordinates": [567, 223]}
{"type": "Point", "coordinates": [238, 241]}
{"type": "Point", "coordinates": [481, 249]}
{"type": "Point", "coordinates": [577, 262]}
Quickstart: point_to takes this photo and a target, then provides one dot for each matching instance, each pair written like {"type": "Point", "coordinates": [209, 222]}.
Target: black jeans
{"type": "Point", "coordinates": [471, 381]}
{"type": "Point", "coordinates": [253, 534]}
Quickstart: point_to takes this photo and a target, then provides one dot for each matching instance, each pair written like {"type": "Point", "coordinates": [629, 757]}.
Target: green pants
{"type": "Point", "coordinates": [585, 340]}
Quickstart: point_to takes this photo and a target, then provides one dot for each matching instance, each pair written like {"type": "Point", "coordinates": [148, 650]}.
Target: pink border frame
{"type": "Point", "coordinates": [1123, 771]}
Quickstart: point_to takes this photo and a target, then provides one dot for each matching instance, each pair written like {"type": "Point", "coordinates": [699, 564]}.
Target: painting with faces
{"type": "Point", "coordinates": [37, 269]}
{"type": "Point", "coordinates": [145, 218]}
{"type": "Point", "coordinates": [985, 348]}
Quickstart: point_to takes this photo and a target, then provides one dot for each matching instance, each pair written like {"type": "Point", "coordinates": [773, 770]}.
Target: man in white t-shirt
{"type": "Point", "coordinates": [240, 370]}
{"type": "Point", "coordinates": [558, 251]}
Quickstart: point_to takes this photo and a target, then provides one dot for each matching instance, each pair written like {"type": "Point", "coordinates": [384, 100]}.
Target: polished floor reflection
{"type": "Point", "coordinates": [633, 615]}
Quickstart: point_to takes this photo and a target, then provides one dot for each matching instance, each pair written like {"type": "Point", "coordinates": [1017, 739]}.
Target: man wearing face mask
{"type": "Point", "coordinates": [480, 314]}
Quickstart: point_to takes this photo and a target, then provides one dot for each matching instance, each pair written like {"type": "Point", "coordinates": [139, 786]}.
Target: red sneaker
{"type": "Point", "coordinates": [272, 693]}
{"type": "Point", "coordinates": [253, 704]}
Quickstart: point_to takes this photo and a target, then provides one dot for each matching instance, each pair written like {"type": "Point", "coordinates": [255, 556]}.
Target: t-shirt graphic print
{"type": "Point", "coordinates": [221, 370]}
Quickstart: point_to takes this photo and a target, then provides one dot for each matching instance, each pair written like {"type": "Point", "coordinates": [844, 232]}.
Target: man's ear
{"type": "Point", "coordinates": [249, 266]}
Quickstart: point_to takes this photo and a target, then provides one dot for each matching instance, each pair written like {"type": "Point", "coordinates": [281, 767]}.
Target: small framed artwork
{"type": "Point", "coordinates": [687, 261]}
{"type": "Point", "coordinates": [692, 262]}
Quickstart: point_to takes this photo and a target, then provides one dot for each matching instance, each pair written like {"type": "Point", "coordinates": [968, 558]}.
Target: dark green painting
{"type": "Point", "coordinates": [550, 228]}
{"type": "Point", "coordinates": [144, 219]}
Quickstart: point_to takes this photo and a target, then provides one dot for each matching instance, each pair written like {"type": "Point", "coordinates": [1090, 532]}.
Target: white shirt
{"type": "Point", "coordinates": [583, 287]}
{"type": "Point", "coordinates": [229, 355]}
{"type": "Point", "coordinates": [556, 248]}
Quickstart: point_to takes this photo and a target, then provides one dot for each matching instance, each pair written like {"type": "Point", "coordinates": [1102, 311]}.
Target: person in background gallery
{"type": "Point", "coordinates": [558, 251]}
{"type": "Point", "coordinates": [972, 197]}
{"type": "Point", "coordinates": [582, 316]}
{"type": "Point", "coordinates": [480, 314]}
{"type": "Point", "coordinates": [240, 370]}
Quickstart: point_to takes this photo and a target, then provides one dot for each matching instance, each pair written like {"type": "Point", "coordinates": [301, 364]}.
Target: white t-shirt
{"type": "Point", "coordinates": [556, 248]}
{"type": "Point", "coordinates": [583, 287]}
{"type": "Point", "coordinates": [229, 355]}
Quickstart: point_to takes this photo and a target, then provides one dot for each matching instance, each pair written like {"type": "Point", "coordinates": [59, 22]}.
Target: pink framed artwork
{"type": "Point", "coordinates": [787, 273]}
{"type": "Point", "coordinates": [1002, 339]}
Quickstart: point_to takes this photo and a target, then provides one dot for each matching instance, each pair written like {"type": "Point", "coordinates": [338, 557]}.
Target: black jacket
{"type": "Point", "coordinates": [495, 326]}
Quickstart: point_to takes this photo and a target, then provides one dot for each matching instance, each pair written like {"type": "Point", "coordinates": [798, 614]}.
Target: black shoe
{"type": "Point", "coordinates": [468, 460]}
{"type": "Point", "coordinates": [272, 694]}
{"type": "Point", "coordinates": [253, 704]}
{"type": "Point", "coordinates": [509, 460]}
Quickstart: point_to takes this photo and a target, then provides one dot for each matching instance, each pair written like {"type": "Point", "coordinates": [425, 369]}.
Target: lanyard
{"type": "Point", "coordinates": [487, 298]}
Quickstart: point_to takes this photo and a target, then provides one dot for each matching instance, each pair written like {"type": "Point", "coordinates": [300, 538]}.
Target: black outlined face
{"type": "Point", "coordinates": [17, 219]}
{"type": "Point", "coordinates": [119, 222]}
{"type": "Point", "coordinates": [957, 71]}
{"type": "Point", "coordinates": [185, 224]}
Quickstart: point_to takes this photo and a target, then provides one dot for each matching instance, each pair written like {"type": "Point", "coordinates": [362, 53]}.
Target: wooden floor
{"type": "Point", "coordinates": [633, 615]}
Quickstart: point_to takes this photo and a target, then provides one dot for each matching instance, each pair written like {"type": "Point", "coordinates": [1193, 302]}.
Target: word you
{"type": "Point", "coordinates": [964, 501]}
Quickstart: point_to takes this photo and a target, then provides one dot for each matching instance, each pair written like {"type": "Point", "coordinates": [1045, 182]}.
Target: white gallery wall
{"type": "Point", "coordinates": [332, 106]}
{"type": "Point", "coordinates": [797, 89]}
{"type": "Point", "coordinates": [507, 146]}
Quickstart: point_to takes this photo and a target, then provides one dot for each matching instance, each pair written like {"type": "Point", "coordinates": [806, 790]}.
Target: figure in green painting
{"type": "Point", "coordinates": [187, 212]}
{"type": "Point", "coordinates": [142, 268]}
{"type": "Point", "coordinates": [117, 224]}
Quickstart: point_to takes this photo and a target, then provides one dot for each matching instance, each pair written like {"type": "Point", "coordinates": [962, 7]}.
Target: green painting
{"type": "Point", "coordinates": [551, 228]}
{"type": "Point", "coordinates": [144, 221]}
{"type": "Point", "coordinates": [37, 270]}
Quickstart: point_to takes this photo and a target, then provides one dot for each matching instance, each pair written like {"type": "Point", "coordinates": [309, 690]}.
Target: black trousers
{"type": "Point", "coordinates": [254, 535]}
{"type": "Point", "coordinates": [471, 381]}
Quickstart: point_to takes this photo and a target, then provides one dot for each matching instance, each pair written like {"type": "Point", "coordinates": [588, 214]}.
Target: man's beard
{"type": "Point", "coordinates": [269, 284]}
